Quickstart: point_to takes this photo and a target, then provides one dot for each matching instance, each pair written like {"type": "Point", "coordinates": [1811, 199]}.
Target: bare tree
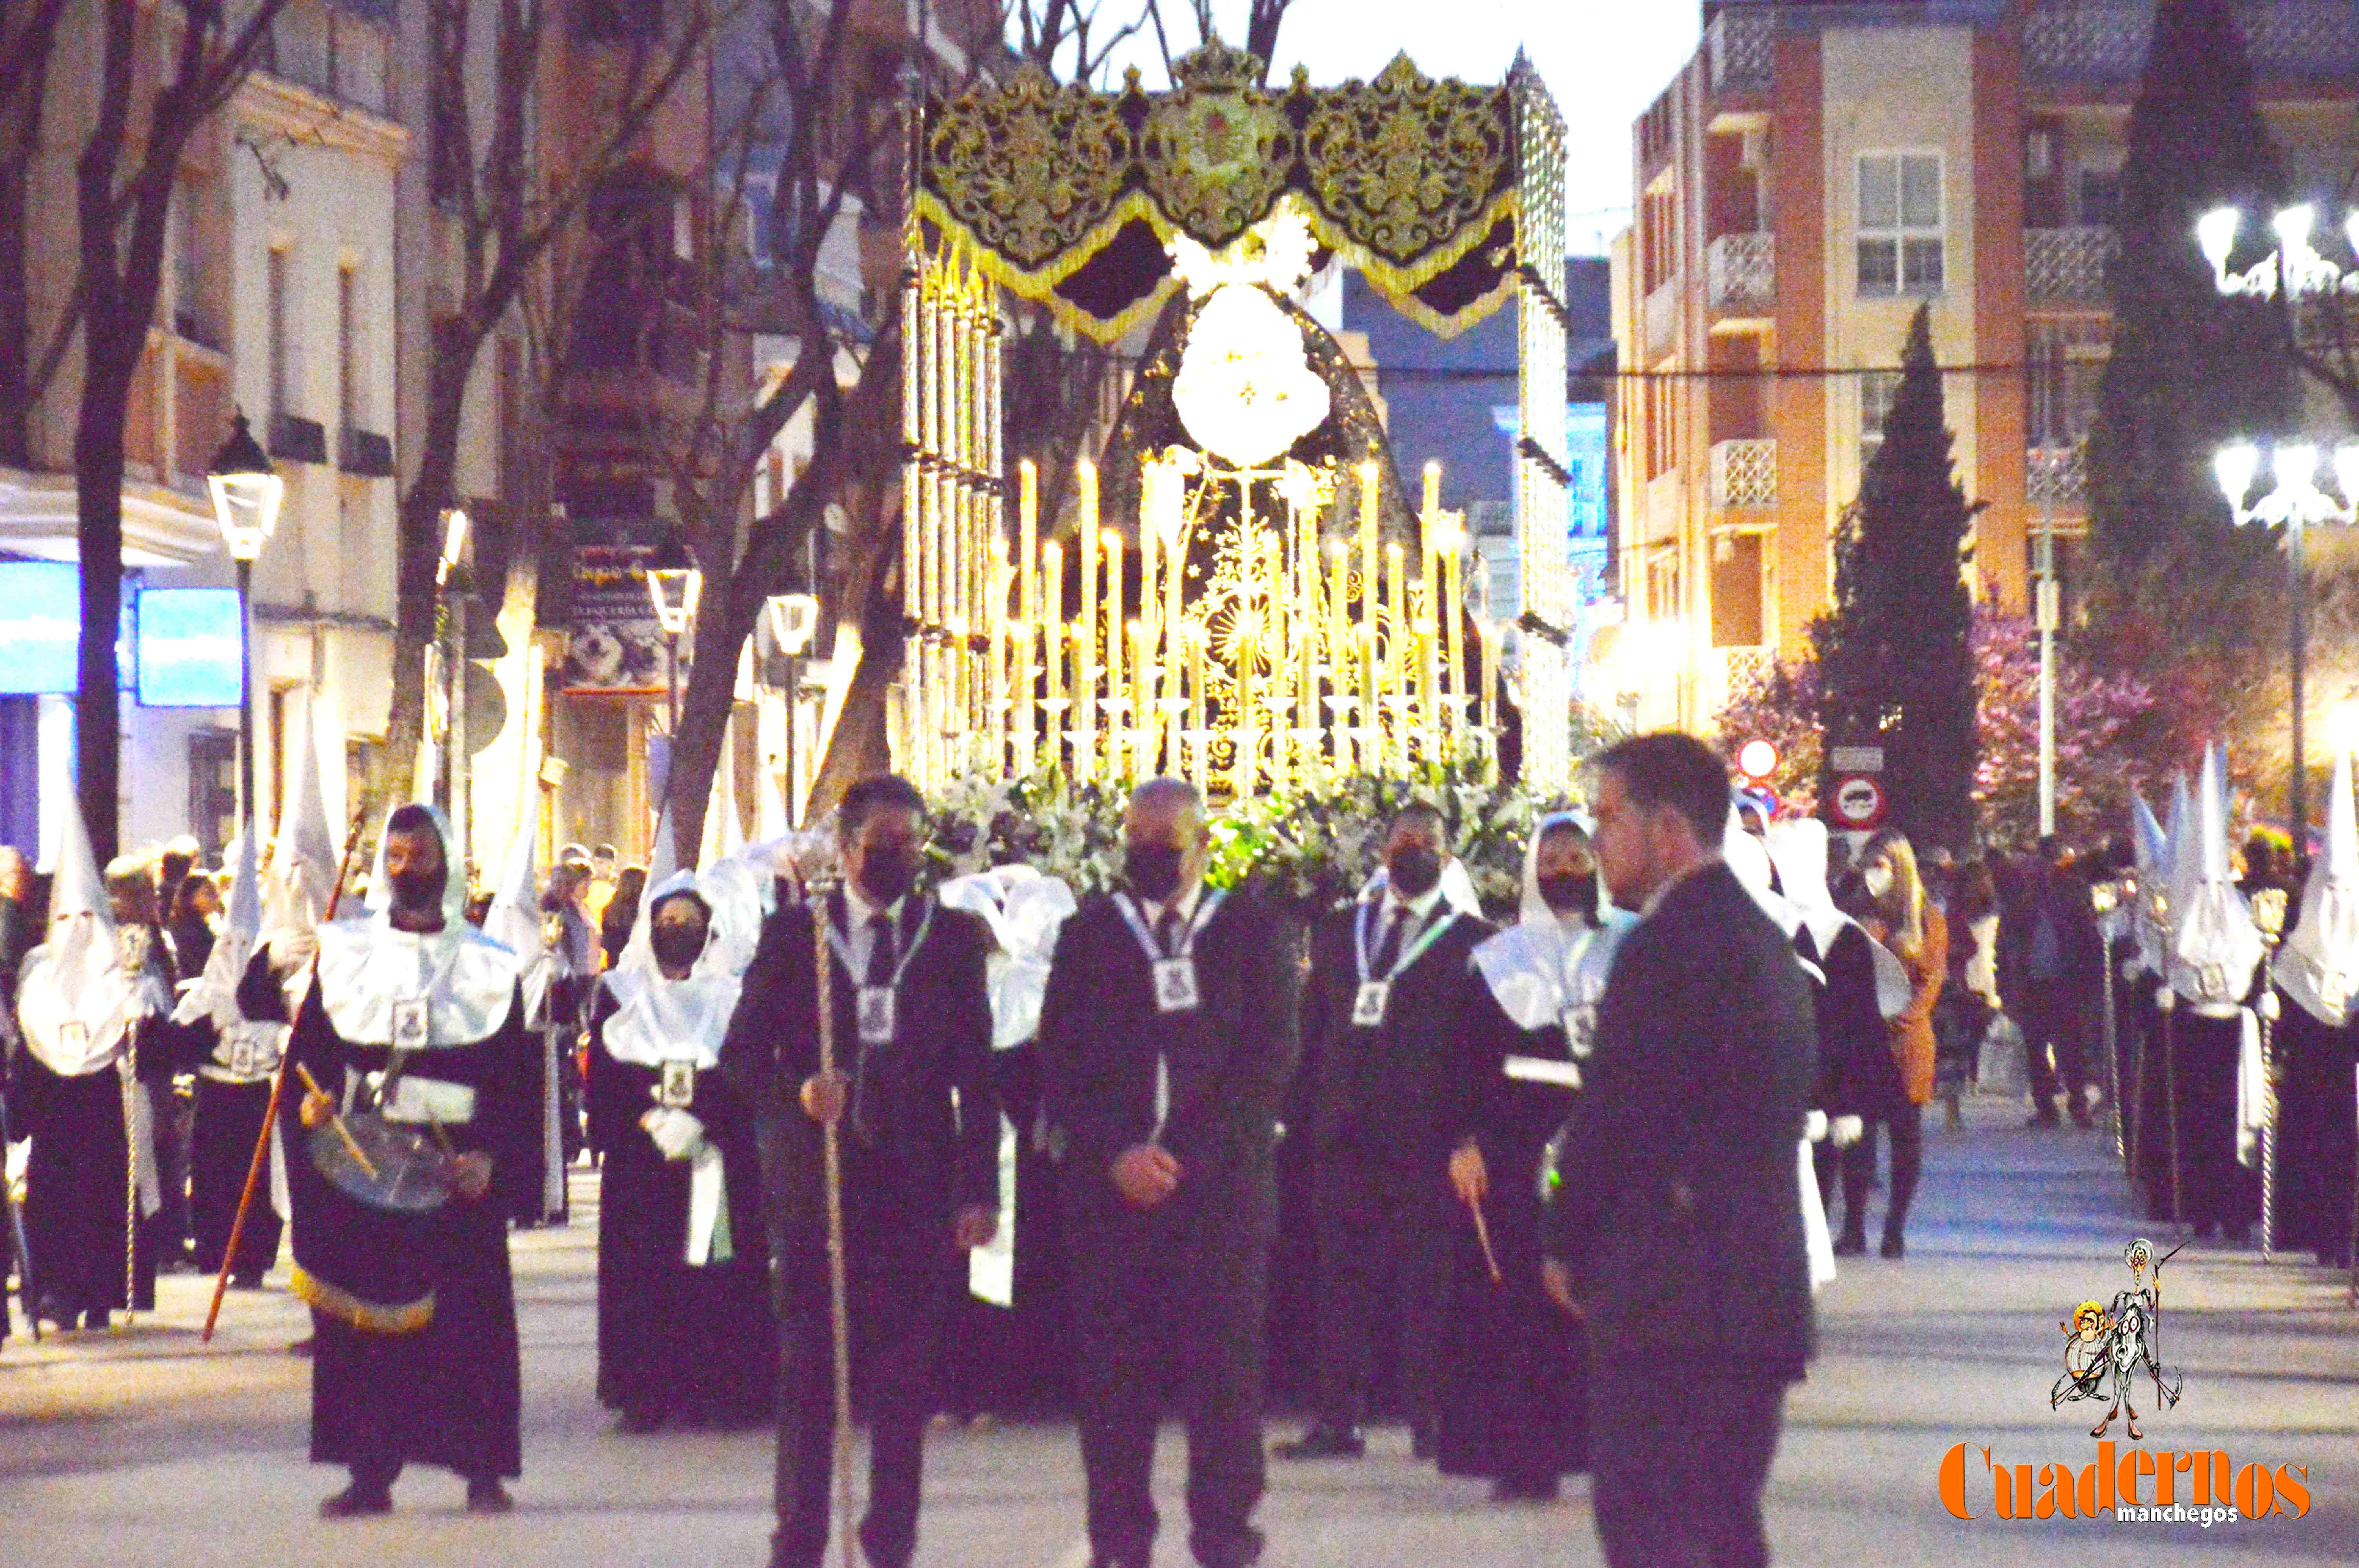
{"type": "Point", "coordinates": [123, 181]}
{"type": "Point", "coordinates": [29, 34]}
{"type": "Point", "coordinates": [509, 208]}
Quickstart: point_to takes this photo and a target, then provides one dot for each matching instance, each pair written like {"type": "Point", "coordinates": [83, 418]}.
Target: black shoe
{"type": "Point", "coordinates": [1422, 1444]}
{"type": "Point", "coordinates": [2083, 1116]}
{"type": "Point", "coordinates": [1323, 1442]}
{"type": "Point", "coordinates": [2204, 1229]}
{"type": "Point", "coordinates": [486, 1496]}
{"type": "Point", "coordinates": [1524, 1490]}
{"type": "Point", "coordinates": [2045, 1116]}
{"type": "Point", "coordinates": [54, 1313]}
{"type": "Point", "coordinates": [1852, 1244]}
{"type": "Point", "coordinates": [249, 1281]}
{"type": "Point", "coordinates": [358, 1502]}
{"type": "Point", "coordinates": [97, 1317]}
{"type": "Point", "coordinates": [638, 1422]}
{"type": "Point", "coordinates": [1892, 1245]}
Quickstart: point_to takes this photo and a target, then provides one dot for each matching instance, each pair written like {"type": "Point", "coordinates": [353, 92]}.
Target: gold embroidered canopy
{"type": "Point", "coordinates": [1068, 196]}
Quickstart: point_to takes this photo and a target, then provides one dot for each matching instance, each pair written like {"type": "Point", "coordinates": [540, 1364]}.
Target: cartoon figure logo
{"type": "Point", "coordinates": [2115, 1344]}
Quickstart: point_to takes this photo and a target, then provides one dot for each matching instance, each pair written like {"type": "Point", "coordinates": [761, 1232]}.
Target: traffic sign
{"type": "Point", "coordinates": [1859, 801]}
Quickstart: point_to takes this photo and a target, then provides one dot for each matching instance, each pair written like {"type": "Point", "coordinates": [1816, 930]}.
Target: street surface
{"type": "Point", "coordinates": [141, 1447]}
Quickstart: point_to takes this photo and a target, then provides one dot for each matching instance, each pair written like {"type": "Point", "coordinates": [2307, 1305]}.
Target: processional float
{"type": "Point", "coordinates": [1254, 623]}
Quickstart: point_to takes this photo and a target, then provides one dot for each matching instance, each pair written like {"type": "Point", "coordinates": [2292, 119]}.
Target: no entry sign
{"type": "Point", "coordinates": [1859, 801]}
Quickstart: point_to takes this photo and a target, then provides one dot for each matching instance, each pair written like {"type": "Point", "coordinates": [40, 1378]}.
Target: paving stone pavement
{"type": "Point", "coordinates": [140, 1446]}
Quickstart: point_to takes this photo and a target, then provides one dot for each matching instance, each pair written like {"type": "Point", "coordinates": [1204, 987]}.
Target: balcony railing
{"type": "Point", "coordinates": [1663, 317]}
{"type": "Point", "coordinates": [1744, 474]}
{"type": "Point", "coordinates": [2067, 266]}
{"type": "Point", "coordinates": [1741, 55]}
{"type": "Point", "coordinates": [2057, 478]}
{"type": "Point", "coordinates": [1740, 272]}
{"type": "Point", "coordinates": [2106, 40]}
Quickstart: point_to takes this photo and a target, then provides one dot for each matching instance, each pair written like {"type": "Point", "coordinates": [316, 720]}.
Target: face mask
{"type": "Point", "coordinates": [1153, 871]}
{"type": "Point", "coordinates": [677, 947]}
{"type": "Point", "coordinates": [885, 878]}
{"type": "Point", "coordinates": [1571, 895]}
{"type": "Point", "coordinates": [1878, 879]}
{"type": "Point", "coordinates": [417, 890]}
{"type": "Point", "coordinates": [1413, 872]}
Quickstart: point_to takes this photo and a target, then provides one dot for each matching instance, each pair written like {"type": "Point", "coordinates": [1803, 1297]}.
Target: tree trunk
{"type": "Point", "coordinates": [98, 485]}
{"type": "Point", "coordinates": [418, 545]}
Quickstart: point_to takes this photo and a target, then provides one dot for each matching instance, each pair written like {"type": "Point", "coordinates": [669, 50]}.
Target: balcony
{"type": "Point", "coordinates": [2056, 479]}
{"type": "Point", "coordinates": [364, 454]}
{"type": "Point", "coordinates": [1741, 55]}
{"type": "Point", "coordinates": [1663, 318]}
{"type": "Point", "coordinates": [1744, 474]}
{"type": "Point", "coordinates": [2105, 41]}
{"type": "Point", "coordinates": [2068, 266]}
{"type": "Point", "coordinates": [299, 440]}
{"type": "Point", "coordinates": [1740, 272]}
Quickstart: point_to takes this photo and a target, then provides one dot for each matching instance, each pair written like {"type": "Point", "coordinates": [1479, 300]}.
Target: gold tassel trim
{"type": "Point", "coordinates": [369, 1317]}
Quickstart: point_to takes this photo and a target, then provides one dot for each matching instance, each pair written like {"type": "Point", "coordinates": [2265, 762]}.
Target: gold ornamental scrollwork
{"type": "Point", "coordinates": [1407, 164]}
{"type": "Point", "coordinates": [1030, 171]}
{"type": "Point", "coordinates": [1218, 150]}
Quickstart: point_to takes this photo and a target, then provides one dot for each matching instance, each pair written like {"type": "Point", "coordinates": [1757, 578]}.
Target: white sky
{"type": "Point", "coordinates": [1605, 60]}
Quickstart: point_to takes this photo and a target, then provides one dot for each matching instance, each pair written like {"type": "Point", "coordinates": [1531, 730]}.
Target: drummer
{"type": "Point", "coordinates": [413, 1027]}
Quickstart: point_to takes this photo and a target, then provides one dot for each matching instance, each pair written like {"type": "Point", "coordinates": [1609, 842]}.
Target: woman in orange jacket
{"type": "Point", "coordinates": [1893, 1090]}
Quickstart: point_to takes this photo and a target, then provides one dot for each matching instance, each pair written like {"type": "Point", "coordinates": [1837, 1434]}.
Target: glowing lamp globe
{"type": "Point", "coordinates": [1757, 759]}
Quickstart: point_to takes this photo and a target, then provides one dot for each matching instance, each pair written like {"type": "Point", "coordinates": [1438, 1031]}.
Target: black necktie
{"type": "Point", "coordinates": [880, 950]}
{"type": "Point", "coordinates": [1388, 949]}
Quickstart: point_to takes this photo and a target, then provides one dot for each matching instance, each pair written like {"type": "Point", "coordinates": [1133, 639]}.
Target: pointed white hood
{"type": "Point", "coordinates": [2318, 964]}
{"type": "Point", "coordinates": [514, 920]}
{"type": "Point", "coordinates": [1748, 858]}
{"type": "Point", "coordinates": [75, 1000]}
{"type": "Point", "coordinates": [244, 1050]}
{"type": "Point", "coordinates": [1798, 850]}
{"type": "Point", "coordinates": [2152, 848]}
{"type": "Point", "coordinates": [305, 862]}
{"type": "Point", "coordinates": [2214, 944]}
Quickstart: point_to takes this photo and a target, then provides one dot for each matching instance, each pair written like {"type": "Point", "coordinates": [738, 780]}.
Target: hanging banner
{"type": "Point", "coordinates": [616, 648]}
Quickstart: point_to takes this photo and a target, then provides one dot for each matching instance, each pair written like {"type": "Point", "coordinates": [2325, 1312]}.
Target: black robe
{"type": "Point", "coordinates": [673, 1338]}
{"type": "Point", "coordinates": [228, 1124]}
{"type": "Point", "coordinates": [79, 1191]}
{"type": "Point", "coordinates": [449, 1393]}
{"type": "Point", "coordinates": [2214, 1188]}
{"type": "Point", "coordinates": [1855, 1074]}
{"type": "Point", "coordinates": [1515, 1403]}
{"type": "Point", "coordinates": [2316, 1117]}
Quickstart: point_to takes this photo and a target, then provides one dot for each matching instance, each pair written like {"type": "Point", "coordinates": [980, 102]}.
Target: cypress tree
{"type": "Point", "coordinates": [2190, 370]}
{"type": "Point", "coordinates": [1896, 651]}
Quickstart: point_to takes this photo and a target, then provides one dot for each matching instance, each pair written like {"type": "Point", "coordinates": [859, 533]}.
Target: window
{"type": "Point", "coordinates": [2068, 361]}
{"type": "Point", "coordinates": [1737, 618]}
{"type": "Point", "coordinates": [277, 283]}
{"type": "Point", "coordinates": [1878, 388]}
{"type": "Point", "coordinates": [1901, 248]}
{"type": "Point", "coordinates": [188, 297]}
{"type": "Point", "coordinates": [2101, 196]}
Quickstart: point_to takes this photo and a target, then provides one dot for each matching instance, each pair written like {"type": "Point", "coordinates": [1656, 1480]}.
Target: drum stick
{"type": "Point", "coordinates": [352, 1147]}
{"type": "Point", "coordinates": [1482, 1235]}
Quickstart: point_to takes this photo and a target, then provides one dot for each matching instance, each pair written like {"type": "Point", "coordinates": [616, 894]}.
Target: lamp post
{"type": "Point", "coordinates": [247, 494]}
{"type": "Point", "coordinates": [794, 617]}
{"type": "Point", "coordinates": [2045, 607]}
{"type": "Point", "coordinates": [2294, 269]}
{"type": "Point", "coordinates": [2296, 502]}
{"type": "Point", "coordinates": [674, 586]}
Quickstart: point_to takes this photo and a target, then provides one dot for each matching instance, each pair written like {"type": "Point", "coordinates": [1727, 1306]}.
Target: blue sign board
{"type": "Point", "coordinates": [188, 652]}
{"type": "Point", "coordinates": [40, 626]}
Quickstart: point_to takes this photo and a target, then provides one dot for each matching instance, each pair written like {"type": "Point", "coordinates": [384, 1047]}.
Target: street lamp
{"type": "Point", "coordinates": [2295, 268]}
{"type": "Point", "coordinates": [674, 586]}
{"type": "Point", "coordinates": [2293, 504]}
{"type": "Point", "coordinates": [247, 494]}
{"type": "Point", "coordinates": [794, 617]}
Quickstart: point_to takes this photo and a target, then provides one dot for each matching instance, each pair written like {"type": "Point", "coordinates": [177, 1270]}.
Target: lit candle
{"type": "Point", "coordinates": [1368, 551]}
{"type": "Point", "coordinates": [1085, 652]}
{"type": "Point", "coordinates": [1142, 709]}
{"type": "Point", "coordinates": [1117, 687]}
{"type": "Point", "coordinates": [1397, 660]}
{"type": "Point", "coordinates": [1027, 534]}
{"type": "Point", "coordinates": [1052, 616]}
{"type": "Point", "coordinates": [1453, 640]}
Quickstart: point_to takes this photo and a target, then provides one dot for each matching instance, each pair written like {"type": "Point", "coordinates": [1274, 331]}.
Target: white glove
{"type": "Point", "coordinates": [291, 951]}
{"type": "Point", "coordinates": [1845, 1131]}
{"type": "Point", "coordinates": [676, 1133]}
{"type": "Point", "coordinates": [1814, 1126]}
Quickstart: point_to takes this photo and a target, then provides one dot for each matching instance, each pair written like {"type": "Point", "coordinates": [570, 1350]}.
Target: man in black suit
{"type": "Point", "coordinates": [1166, 1038]}
{"type": "Point", "coordinates": [1392, 994]}
{"type": "Point", "coordinates": [1677, 1234]}
{"type": "Point", "coordinates": [920, 1124]}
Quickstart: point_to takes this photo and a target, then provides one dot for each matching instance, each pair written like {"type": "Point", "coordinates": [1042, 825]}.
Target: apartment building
{"type": "Point", "coordinates": [1815, 173]}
